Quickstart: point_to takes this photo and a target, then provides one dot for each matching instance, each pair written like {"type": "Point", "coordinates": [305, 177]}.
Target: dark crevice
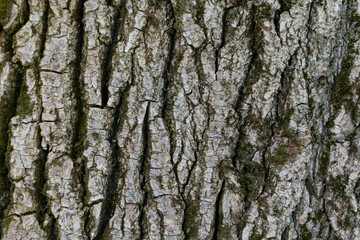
{"type": "Point", "coordinates": [199, 18]}
{"type": "Point", "coordinates": [40, 182]}
{"type": "Point", "coordinates": [167, 65]}
{"type": "Point", "coordinates": [246, 83]}
{"type": "Point", "coordinates": [110, 49]}
{"type": "Point", "coordinates": [79, 127]}
{"type": "Point", "coordinates": [198, 152]}
{"type": "Point", "coordinates": [24, 18]}
{"type": "Point", "coordinates": [223, 37]}
{"type": "Point", "coordinates": [162, 225]}
{"type": "Point", "coordinates": [44, 30]}
{"type": "Point", "coordinates": [166, 111]}
{"type": "Point", "coordinates": [327, 218]}
{"type": "Point", "coordinates": [319, 137]}
{"type": "Point", "coordinates": [293, 219]}
{"type": "Point", "coordinates": [280, 92]}
{"type": "Point", "coordinates": [191, 207]}
{"type": "Point", "coordinates": [285, 5]}
{"type": "Point", "coordinates": [206, 104]}
{"type": "Point", "coordinates": [8, 106]}
{"type": "Point", "coordinates": [243, 92]}
{"type": "Point", "coordinates": [184, 223]}
{"type": "Point", "coordinates": [309, 20]}
{"type": "Point", "coordinates": [218, 214]}
{"type": "Point", "coordinates": [52, 71]}
{"type": "Point", "coordinates": [53, 229]}
{"type": "Point", "coordinates": [123, 221]}
{"type": "Point", "coordinates": [285, 234]}
{"type": "Point", "coordinates": [77, 86]}
{"type": "Point", "coordinates": [42, 36]}
{"type": "Point", "coordinates": [40, 169]}
{"type": "Point", "coordinates": [144, 168]}
{"type": "Point", "coordinates": [132, 69]}
{"type": "Point", "coordinates": [22, 214]}
{"type": "Point", "coordinates": [276, 118]}
{"type": "Point", "coordinates": [86, 223]}
{"type": "Point", "coordinates": [191, 215]}
{"type": "Point", "coordinates": [254, 58]}
{"type": "Point", "coordinates": [109, 203]}
{"type": "Point", "coordinates": [191, 169]}
{"type": "Point", "coordinates": [237, 159]}
{"type": "Point", "coordinates": [43, 206]}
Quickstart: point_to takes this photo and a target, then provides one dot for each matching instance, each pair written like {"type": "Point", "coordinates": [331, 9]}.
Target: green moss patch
{"type": "Point", "coordinates": [263, 11]}
{"type": "Point", "coordinates": [341, 93]}
{"type": "Point", "coordinates": [24, 105]}
{"type": "Point", "coordinates": [252, 177]}
{"type": "Point", "coordinates": [5, 7]}
{"type": "Point", "coordinates": [191, 227]}
{"type": "Point", "coordinates": [283, 154]}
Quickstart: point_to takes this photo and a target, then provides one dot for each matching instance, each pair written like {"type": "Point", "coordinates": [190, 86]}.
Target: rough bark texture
{"type": "Point", "coordinates": [179, 119]}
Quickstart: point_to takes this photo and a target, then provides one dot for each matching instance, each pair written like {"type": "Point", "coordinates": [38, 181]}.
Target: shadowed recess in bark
{"type": "Point", "coordinates": [218, 215]}
{"type": "Point", "coordinates": [108, 205]}
{"type": "Point", "coordinates": [118, 23]}
{"type": "Point", "coordinates": [79, 141]}
{"type": "Point", "coordinates": [8, 103]}
{"type": "Point", "coordinates": [256, 102]}
{"type": "Point", "coordinates": [166, 111]}
{"type": "Point", "coordinates": [144, 173]}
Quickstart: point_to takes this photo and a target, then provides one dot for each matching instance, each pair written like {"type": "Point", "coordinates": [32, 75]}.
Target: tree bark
{"type": "Point", "coordinates": [177, 119]}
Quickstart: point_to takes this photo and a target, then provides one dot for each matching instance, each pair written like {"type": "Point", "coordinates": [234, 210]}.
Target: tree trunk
{"type": "Point", "coordinates": [177, 119]}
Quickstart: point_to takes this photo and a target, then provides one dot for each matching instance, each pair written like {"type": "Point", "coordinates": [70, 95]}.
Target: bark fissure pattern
{"type": "Point", "coordinates": [163, 119]}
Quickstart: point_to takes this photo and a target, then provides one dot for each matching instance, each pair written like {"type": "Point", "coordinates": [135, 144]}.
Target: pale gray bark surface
{"type": "Point", "coordinates": [179, 119]}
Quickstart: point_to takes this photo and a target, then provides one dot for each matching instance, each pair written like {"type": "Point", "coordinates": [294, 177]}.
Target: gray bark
{"type": "Point", "coordinates": [177, 119]}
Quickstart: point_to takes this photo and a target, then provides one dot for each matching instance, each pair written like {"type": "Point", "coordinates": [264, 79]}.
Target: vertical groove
{"type": "Point", "coordinates": [144, 167]}
{"type": "Point", "coordinates": [40, 169]}
{"type": "Point", "coordinates": [250, 75]}
{"type": "Point", "coordinates": [40, 182]}
{"type": "Point", "coordinates": [276, 116]}
{"type": "Point", "coordinates": [79, 126]}
{"type": "Point", "coordinates": [217, 217]}
{"type": "Point", "coordinates": [45, 27]}
{"type": "Point", "coordinates": [40, 196]}
{"type": "Point", "coordinates": [8, 106]}
{"type": "Point", "coordinates": [191, 168]}
{"type": "Point", "coordinates": [218, 214]}
{"type": "Point", "coordinates": [77, 85]}
{"type": "Point", "coordinates": [223, 37]}
{"type": "Point", "coordinates": [166, 111]}
{"type": "Point", "coordinates": [246, 83]}
{"type": "Point", "coordinates": [284, 6]}
{"type": "Point", "coordinates": [108, 205]}
{"type": "Point", "coordinates": [107, 65]}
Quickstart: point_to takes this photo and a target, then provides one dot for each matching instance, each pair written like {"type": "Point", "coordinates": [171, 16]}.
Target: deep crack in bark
{"type": "Point", "coordinates": [223, 37]}
{"type": "Point", "coordinates": [284, 6]}
{"type": "Point", "coordinates": [106, 69]}
{"type": "Point", "coordinates": [8, 106]}
{"type": "Point", "coordinates": [79, 128]}
{"type": "Point", "coordinates": [246, 83]}
{"type": "Point", "coordinates": [143, 172]}
{"type": "Point", "coordinates": [108, 205]}
{"type": "Point", "coordinates": [166, 112]}
{"type": "Point", "coordinates": [218, 213]}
